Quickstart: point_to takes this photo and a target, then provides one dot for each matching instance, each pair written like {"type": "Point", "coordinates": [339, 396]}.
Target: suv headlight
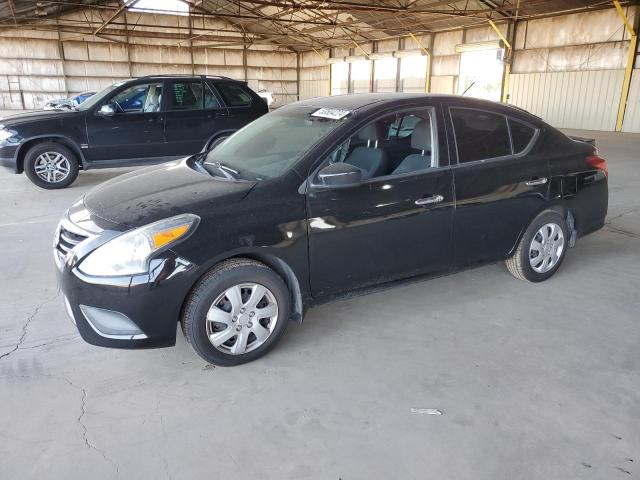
{"type": "Point", "coordinates": [129, 253]}
{"type": "Point", "coordinates": [5, 134]}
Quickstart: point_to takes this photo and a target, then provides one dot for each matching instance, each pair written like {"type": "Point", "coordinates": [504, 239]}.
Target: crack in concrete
{"type": "Point", "coordinates": [80, 420]}
{"type": "Point", "coordinates": [25, 327]}
{"type": "Point", "coordinates": [85, 431]}
{"type": "Point", "coordinates": [608, 225]}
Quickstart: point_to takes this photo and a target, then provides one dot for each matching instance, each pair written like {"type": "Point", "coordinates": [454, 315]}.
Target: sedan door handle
{"type": "Point", "coordinates": [429, 200]}
{"type": "Point", "coordinates": [536, 181]}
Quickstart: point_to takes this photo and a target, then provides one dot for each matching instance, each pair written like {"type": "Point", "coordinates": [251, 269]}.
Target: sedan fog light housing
{"type": "Point", "coordinates": [129, 253]}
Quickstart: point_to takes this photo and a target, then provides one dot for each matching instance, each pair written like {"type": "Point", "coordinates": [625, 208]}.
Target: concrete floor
{"type": "Point", "coordinates": [533, 381]}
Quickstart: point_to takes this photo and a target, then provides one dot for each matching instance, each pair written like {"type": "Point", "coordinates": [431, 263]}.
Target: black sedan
{"type": "Point", "coordinates": [317, 199]}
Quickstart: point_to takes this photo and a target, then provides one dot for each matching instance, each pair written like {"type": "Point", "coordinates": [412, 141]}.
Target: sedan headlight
{"type": "Point", "coordinates": [129, 253]}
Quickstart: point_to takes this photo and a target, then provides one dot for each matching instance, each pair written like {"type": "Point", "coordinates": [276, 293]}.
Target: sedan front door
{"type": "Point", "coordinates": [392, 226]}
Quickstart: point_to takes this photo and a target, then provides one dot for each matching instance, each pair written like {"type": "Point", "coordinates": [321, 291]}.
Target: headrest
{"type": "Point", "coordinates": [421, 136]}
{"type": "Point", "coordinates": [369, 132]}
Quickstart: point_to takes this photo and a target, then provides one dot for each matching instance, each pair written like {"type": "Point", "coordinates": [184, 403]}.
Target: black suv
{"type": "Point", "coordinates": [148, 120]}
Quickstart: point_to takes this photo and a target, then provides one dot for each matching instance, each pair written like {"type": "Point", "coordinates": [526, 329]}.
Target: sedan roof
{"type": "Point", "coordinates": [358, 101]}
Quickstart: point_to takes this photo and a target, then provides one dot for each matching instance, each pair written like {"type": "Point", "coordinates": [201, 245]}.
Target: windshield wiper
{"type": "Point", "coordinates": [227, 171]}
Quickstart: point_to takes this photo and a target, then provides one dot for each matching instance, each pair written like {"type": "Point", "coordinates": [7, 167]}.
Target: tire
{"type": "Point", "coordinates": [51, 165]}
{"type": "Point", "coordinates": [211, 311]}
{"type": "Point", "coordinates": [537, 258]}
{"type": "Point", "coordinates": [215, 142]}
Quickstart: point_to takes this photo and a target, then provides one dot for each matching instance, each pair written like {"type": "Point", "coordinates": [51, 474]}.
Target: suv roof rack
{"type": "Point", "coordinates": [177, 75]}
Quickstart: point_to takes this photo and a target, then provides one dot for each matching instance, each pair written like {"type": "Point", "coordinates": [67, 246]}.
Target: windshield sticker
{"type": "Point", "coordinates": [332, 113]}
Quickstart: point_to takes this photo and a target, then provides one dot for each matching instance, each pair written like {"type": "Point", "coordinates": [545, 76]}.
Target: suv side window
{"type": "Point", "coordinates": [234, 95]}
{"type": "Point", "coordinates": [480, 135]}
{"type": "Point", "coordinates": [191, 95]}
{"type": "Point", "coordinates": [143, 98]}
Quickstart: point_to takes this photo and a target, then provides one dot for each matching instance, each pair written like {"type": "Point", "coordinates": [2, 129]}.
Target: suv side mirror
{"type": "Point", "coordinates": [340, 175]}
{"type": "Point", "coordinates": [107, 110]}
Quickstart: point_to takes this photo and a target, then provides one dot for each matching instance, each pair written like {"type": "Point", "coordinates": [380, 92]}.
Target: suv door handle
{"type": "Point", "coordinates": [429, 200]}
{"type": "Point", "coordinates": [536, 181]}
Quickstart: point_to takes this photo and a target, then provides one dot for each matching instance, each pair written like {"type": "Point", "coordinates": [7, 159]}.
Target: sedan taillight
{"type": "Point", "coordinates": [598, 162]}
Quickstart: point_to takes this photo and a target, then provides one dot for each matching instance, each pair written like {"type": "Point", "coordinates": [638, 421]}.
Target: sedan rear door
{"type": "Point", "coordinates": [501, 182]}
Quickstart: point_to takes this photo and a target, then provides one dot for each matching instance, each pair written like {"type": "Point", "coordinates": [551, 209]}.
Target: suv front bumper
{"type": "Point", "coordinates": [8, 157]}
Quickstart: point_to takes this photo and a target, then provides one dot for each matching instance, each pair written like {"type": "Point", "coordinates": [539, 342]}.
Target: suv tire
{"type": "Point", "coordinates": [51, 165]}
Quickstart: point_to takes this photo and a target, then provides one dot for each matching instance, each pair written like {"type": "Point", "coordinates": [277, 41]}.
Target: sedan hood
{"type": "Point", "coordinates": [12, 120]}
{"type": "Point", "coordinates": [162, 191]}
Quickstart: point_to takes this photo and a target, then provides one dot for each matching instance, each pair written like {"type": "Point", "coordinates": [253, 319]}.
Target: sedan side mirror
{"type": "Point", "coordinates": [107, 110]}
{"type": "Point", "coordinates": [340, 175]}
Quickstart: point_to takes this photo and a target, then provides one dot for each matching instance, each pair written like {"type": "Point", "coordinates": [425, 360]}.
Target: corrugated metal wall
{"type": "Point", "coordinates": [632, 116]}
{"type": "Point", "coordinates": [569, 70]}
{"type": "Point", "coordinates": [314, 74]}
{"type": "Point", "coordinates": [584, 100]}
{"type": "Point", "coordinates": [36, 66]}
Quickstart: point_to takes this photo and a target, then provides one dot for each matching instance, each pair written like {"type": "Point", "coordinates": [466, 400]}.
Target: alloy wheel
{"type": "Point", "coordinates": [52, 167]}
{"type": "Point", "coordinates": [546, 248]}
{"type": "Point", "coordinates": [242, 318]}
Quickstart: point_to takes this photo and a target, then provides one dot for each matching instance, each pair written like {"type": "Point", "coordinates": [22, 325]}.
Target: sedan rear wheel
{"type": "Point", "coordinates": [236, 313]}
{"type": "Point", "coordinates": [541, 249]}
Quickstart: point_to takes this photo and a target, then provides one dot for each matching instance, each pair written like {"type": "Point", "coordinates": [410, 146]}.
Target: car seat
{"type": "Point", "coordinates": [420, 140]}
{"type": "Point", "coordinates": [370, 159]}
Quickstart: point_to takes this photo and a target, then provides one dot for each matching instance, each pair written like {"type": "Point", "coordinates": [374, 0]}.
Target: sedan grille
{"type": "Point", "coordinates": [67, 239]}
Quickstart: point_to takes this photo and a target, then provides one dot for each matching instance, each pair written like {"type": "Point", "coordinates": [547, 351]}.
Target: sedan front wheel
{"type": "Point", "coordinates": [236, 313]}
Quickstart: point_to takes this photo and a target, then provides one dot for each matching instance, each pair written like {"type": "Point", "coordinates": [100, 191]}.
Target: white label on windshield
{"type": "Point", "coordinates": [332, 113]}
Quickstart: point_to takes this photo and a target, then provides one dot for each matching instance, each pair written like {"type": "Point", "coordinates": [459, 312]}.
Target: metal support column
{"type": "Point", "coordinates": [508, 57]}
{"type": "Point", "coordinates": [628, 72]}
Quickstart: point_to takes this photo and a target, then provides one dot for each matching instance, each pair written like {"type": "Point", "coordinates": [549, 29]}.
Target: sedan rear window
{"type": "Point", "coordinates": [480, 135]}
{"type": "Point", "coordinates": [521, 135]}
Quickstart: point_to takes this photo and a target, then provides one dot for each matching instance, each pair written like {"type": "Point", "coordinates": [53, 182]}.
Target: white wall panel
{"type": "Point", "coordinates": [632, 116]}
{"type": "Point", "coordinates": [314, 82]}
{"type": "Point", "coordinates": [583, 100]}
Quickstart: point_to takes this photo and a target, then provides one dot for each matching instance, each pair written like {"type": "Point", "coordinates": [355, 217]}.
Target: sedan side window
{"type": "Point", "coordinates": [378, 154]}
{"type": "Point", "coordinates": [480, 135]}
{"type": "Point", "coordinates": [403, 126]}
{"type": "Point", "coordinates": [139, 99]}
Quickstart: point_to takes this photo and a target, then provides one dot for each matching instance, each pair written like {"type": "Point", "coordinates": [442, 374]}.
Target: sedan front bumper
{"type": "Point", "coordinates": [139, 311]}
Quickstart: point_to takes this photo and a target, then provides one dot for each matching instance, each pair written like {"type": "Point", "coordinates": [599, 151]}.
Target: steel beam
{"type": "Point", "coordinates": [628, 72]}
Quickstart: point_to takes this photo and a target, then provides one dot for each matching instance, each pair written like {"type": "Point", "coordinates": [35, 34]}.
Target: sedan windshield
{"type": "Point", "coordinates": [271, 144]}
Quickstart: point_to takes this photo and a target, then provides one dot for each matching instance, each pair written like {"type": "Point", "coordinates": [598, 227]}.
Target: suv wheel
{"type": "Point", "coordinates": [236, 313]}
{"type": "Point", "coordinates": [51, 165]}
{"type": "Point", "coordinates": [541, 249]}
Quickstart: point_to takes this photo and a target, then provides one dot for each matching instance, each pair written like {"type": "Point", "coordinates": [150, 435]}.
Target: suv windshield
{"type": "Point", "coordinates": [98, 97]}
{"type": "Point", "coordinates": [271, 144]}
